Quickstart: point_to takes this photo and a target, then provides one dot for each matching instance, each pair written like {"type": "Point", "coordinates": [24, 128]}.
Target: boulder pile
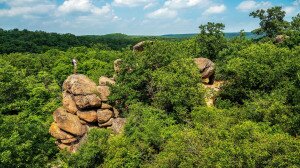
{"type": "Point", "coordinates": [84, 106]}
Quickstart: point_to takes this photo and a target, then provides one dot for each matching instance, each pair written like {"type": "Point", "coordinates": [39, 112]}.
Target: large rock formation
{"type": "Point", "coordinates": [84, 106]}
{"type": "Point", "coordinates": [207, 69]}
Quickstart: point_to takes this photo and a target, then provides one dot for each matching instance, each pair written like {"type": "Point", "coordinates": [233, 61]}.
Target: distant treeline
{"type": "Point", "coordinates": [12, 41]}
{"type": "Point", "coordinates": [248, 35]}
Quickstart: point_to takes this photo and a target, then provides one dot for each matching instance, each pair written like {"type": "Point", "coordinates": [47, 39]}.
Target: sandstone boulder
{"type": "Point", "coordinates": [89, 116]}
{"type": "Point", "coordinates": [140, 46]}
{"type": "Point", "coordinates": [106, 106]}
{"type": "Point", "coordinates": [206, 68]}
{"type": "Point", "coordinates": [107, 124]}
{"type": "Point", "coordinates": [68, 122]}
{"type": "Point", "coordinates": [88, 101]}
{"type": "Point", "coordinates": [69, 103]}
{"type": "Point", "coordinates": [57, 133]}
{"type": "Point", "coordinates": [78, 84]}
{"type": "Point", "coordinates": [116, 112]}
{"type": "Point", "coordinates": [104, 115]}
{"type": "Point", "coordinates": [103, 81]}
{"type": "Point", "coordinates": [104, 92]}
{"type": "Point", "coordinates": [118, 125]}
{"type": "Point", "coordinates": [117, 65]}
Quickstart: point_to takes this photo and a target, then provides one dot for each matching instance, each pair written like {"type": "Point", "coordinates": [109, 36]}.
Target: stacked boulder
{"type": "Point", "coordinates": [84, 106]}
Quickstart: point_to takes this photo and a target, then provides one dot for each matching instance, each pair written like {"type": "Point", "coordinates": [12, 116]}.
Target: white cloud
{"type": "Point", "coordinates": [250, 5]}
{"type": "Point", "coordinates": [132, 3]}
{"type": "Point", "coordinates": [84, 6]}
{"type": "Point", "coordinates": [70, 6]}
{"type": "Point", "coordinates": [150, 5]}
{"type": "Point", "coordinates": [162, 13]}
{"type": "Point", "coordinates": [215, 9]}
{"type": "Point", "coordinates": [27, 7]}
{"type": "Point", "coordinates": [289, 10]}
{"type": "Point", "coordinates": [293, 9]}
{"type": "Point", "coordinates": [179, 4]}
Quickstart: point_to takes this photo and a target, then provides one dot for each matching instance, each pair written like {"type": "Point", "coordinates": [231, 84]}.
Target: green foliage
{"type": "Point", "coordinates": [211, 40]}
{"type": "Point", "coordinates": [25, 141]}
{"type": "Point", "coordinates": [177, 89]}
{"type": "Point", "coordinates": [161, 75]}
{"type": "Point", "coordinates": [255, 123]}
{"type": "Point", "coordinates": [15, 40]}
{"type": "Point", "coordinates": [272, 21]}
{"type": "Point", "coordinates": [217, 141]}
{"type": "Point", "coordinates": [90, 154]}
{"type": "Point", "coordinates": [146, 131]}
{"type": "Point", "coordinates": [259, 68]}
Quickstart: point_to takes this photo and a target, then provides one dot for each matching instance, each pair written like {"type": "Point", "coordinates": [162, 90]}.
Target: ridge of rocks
{"type": "Point", "coordinates": [85, 106]}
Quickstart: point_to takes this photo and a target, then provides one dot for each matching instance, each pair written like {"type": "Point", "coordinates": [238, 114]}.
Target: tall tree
{"type": "Point", "coordinates": [211, 39]}
{"type": "Point", "coordinates": [272, 21]}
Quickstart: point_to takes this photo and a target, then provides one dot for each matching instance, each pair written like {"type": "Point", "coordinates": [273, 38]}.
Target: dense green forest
{"type": "Point", "coordinates": [255, 123]}
{"type": "Point", "coordinates": [38, 42]}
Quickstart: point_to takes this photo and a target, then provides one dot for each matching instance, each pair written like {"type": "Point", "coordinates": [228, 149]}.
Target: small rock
{"type": "Point", "coordinates": [68, 122]}
{"type": "Point", "coordinates": [104, 92]}
{"type": "Point", "coordinates": [107, 124]}
{"type": "Point", "coordinates": [116, 112]}
{"type": "Point", "coordinates": [83, 122]}
{"type": "Point", "coordinates": [89, 116]}
{"type": "Point", "coordinates": [69, 103]}
{"type": "Point", "coordinates": [118, 125]}
{"type": "Point", "coordinates": [117, 65]}
{"type": "Point", "coordinates": [67, 141]}
{"type": "Point", "coordinates": [104, 81]}
{"type": "Point", "coordinates": [63, 146]}
{"type": "Point", "coordinates": [106, 106]}
{"type": "Point", "coordinates": [79, 84]}
{"type": "Point", "coordinates": [88, 101]}
{"type": "Point", "coordinates": [104, 115]}
{"type": "Point", "coordinates": [57, 133]}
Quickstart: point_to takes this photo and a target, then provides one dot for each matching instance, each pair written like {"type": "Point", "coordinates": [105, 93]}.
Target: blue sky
{"type": "Point", "coordinates": [134, 17]}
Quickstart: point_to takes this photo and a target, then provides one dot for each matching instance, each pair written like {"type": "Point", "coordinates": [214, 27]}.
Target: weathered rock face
{"type": "Point", "coordinates": [118, 125]}
{"type": "Point", "coordinates": [68, 122]}
{"type": "Point", "coordinates": [88, 116]}
{"type": "Point", "coordinates": [104, 92]}
{"type": "Point", "coordinates": [117, 65]}
{"type": "Point", "coordinates": [57, 133]}
{"type": "Point", "coordinates": [69, 103]}
{"type": "Point", "coordinates": [206, 68]}
{"type": "Point", "coordinates": [87, 101]}
{"type": "Point", "coordinates": [84, 107]}
{"type": "Point", "coordinates": [79, 85]}
{"type": "Point", "coordinates": [104, 115]}
{"type": "Point", "coordinates": [104, 81]}
{"type": "Point", "coordinates": [140, 46]}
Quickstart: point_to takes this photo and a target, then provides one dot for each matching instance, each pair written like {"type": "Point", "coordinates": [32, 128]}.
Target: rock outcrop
{"type": "Point", "coordinates": [84, 106]}
{"type": "Point", "coordinates": [140, 46]}
{"type": "Point", "coordinates": [207, 69]}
